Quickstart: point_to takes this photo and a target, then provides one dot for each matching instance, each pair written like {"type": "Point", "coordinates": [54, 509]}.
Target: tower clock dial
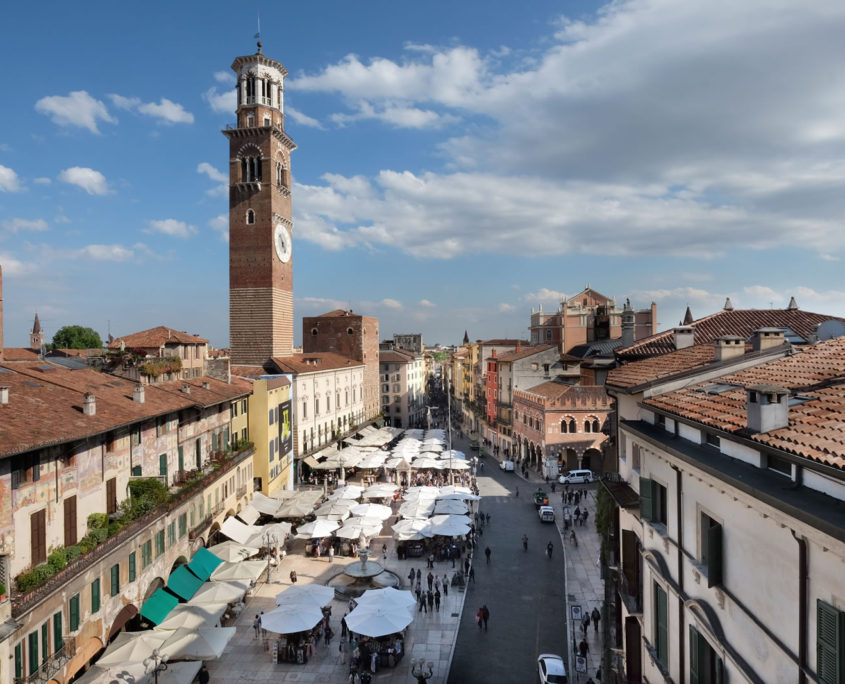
{"type": "Point", "coordinates": [282, 242]}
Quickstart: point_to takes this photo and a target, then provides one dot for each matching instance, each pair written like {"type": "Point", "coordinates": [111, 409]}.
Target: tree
{"type": "Point", "coordinates": [76, 337]}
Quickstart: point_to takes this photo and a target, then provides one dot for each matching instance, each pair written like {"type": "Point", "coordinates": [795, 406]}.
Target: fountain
{"type": "Point", "coordinates": [362, 574]}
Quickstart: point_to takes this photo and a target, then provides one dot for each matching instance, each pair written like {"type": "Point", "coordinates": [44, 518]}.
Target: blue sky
{"type": "Point", "coordinates": [458, 163]}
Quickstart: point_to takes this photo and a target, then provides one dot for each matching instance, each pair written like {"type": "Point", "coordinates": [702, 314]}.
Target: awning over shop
{"type": "Point", "coordinates": [156, 608]}
{"type": "Point", "coordinates": [203, 563]}
{"type": "Point", "coordinates": [311, 462]}
{"type": "Point", "coordinates": [183, 582]}
{"type": "Point", "coordinates": [249, 514]}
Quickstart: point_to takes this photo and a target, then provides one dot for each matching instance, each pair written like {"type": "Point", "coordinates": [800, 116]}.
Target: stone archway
{"type": "Point", "coordinates": [571, 459]}
{"type": "Point", "coordinates": [121, 619]}
{"type": "Point", "coordinates": [156, 584]}
{"type": "Point", "coordinates": [214, 535]}
{"type": "Point", "coordinates": [592, 460]}
{"type": "Point", "coordinates": [179, 561]}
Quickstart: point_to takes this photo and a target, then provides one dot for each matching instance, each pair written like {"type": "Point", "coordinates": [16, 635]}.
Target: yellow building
{"type": "Point", "coordinates": [270, 429]}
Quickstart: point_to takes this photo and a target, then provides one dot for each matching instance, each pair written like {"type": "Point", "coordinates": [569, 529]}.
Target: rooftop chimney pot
{"type": "Point", "coordinates": [89, 404]}
{"type": "Point", "coordinates": [729, 347]}
{"type": "Point", "coordinates": [138, 394]}
{"type": "Point", "coordinates": [684, 336]}
{"type": "Point", "coordinates": [767, 407]}
{"type": "Point", "coordinates": [766, 338]}
{"type": "Point", "coordinates": [4, 396]}
{"type": "Point", "coordinates": [186, 388]}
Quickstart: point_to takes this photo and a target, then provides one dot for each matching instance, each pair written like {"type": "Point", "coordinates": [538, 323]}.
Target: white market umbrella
{"type": "Point", "coordinates": [422, 508]}
{"type": "Point", "coordinates": [193, 617]}
{"type": "Point", "coordinates": [378, 621]}
{"type": "Point", "coordinates": [117, 673]}
{"type": "Point", "coordinates": [233, 551]}
{"type": "Point", "coordinates": [449, 506]}
{"type": "Point", "coordinates": [347, 492]}
{"type": "Point", "coordinates": [307, 594]}
{"type": "Point", "coordinates": [387, 598]}
{"type": "Point", "coordinates": [294, 509]}
{"type": "Point", "coordinates": [456, 465]}
{"type": "Point", "coordinates": [241, 570]}
{"type": "Point", "coordinates": [375, 459]}
{"type": "Point", "coordinates": [336, 510]}
{"type": "Point", "coordinates": [264, 504]}
{"type": "Point", "coordinates": [274, 533]}
{"type": "Point", "coordinates": [355, 527]}
{"type": "Point", "coordinates": [424, 493]}
{"type": "Point", "coordinates": [316, 529]}
{"type": "Point", "coordinates": [427, 463]}
{"type": "Point", "coordinates": [370, 510]}
{"type": "Point", "coordinates": [296, 617]}
{"type": "Point", "coordinates": [220, 592]}
{"type": "Point", "coordinates": [197, 644]}
{"type": "Point", "coordinates": [249, 514]}
{"type": "Point", "coordinates": [131, 647]}
{"type": "Point", "coordinates": [450, 525]}
{"type": "Point", "coordinates": [381, 490]}
{"type": "Point", "coordinates": [398, 462]}
{"type": "Point", "coordinates": [406, 530]}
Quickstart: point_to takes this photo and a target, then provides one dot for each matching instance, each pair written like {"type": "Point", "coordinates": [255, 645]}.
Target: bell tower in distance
{"type": "Point", "coordinates": [260, 226]}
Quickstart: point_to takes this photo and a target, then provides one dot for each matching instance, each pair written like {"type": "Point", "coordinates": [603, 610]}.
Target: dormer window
{"type": "Point", "coordinates": [250, 217]}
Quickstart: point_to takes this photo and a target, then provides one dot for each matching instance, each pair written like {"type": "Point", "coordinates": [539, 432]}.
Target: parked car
{"type": "Point", "coordinates": [541, 498]}
{"type": "Point", "coordinates": [507, 466]}
{"type": "Point", "coordinates": [474, 445]}
{"type": "Point", "coordinates": [546, 513]}
{"type": "Point", "coordinates": [551, 669]}
{"type": "Point", "coordinates": [576, 477]}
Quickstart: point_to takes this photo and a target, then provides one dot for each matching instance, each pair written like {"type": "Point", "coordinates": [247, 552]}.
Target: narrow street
{"type": "Point", "coordinates": [523, 590]}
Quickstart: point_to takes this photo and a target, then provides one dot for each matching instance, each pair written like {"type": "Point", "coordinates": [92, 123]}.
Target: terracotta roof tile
{"type": "Point", "coordinates": [314, 363]}
{"type": "Point", "coordinates": [523, 352]}
{"type": "Point", "coordinates": [742, 322]}
{"type": "Point", "coordinates": [19, 354]}
{"type": "Point", "coordinates": [156, 337]}
{"type": "Point", "coordinates": [45, 404]}
{"type": "Point", "coordinates": [395, 356]}
{"type": "Point", "coordinates": [667, 365]}
{"type": "Point", "coordinates": [816, 427]}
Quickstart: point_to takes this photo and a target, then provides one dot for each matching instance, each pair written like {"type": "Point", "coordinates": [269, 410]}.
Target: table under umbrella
{"type": "Point", "coordinates": [370, 510]}
{"type": "Point", "coordinates": [316, 529]}
{"type": "Point", "coordinates": [379, 621]}
{"type": "Point", "coordinates": [387, 597]}
{"type": "Point", "coordinates": [354, 527]}
{"type": "Point", "coordinates": [296, 617]}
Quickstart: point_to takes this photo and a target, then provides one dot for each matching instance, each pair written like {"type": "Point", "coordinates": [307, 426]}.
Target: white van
{"type": "Point", "coordinates": [546, 513]}
{"type": "Point", "coordinates": [507, 466]}
{"type": "Point", "coordinates": [576, 477]}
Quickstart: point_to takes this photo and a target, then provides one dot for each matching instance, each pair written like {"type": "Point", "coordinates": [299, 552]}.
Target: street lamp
{"type": "Point", "coordinates": [156, 662]}
{"type": "Point", "coordinates": [269, 541]}
{"type": "Point", "coordinates": [423, 671]}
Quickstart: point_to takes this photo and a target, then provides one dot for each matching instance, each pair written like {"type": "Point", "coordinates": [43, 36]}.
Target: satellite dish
{"type": "Point", "coordinates": [830, 329]}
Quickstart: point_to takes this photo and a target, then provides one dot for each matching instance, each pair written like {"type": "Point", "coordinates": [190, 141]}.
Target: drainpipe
{"type": "Point", "coordinates": [802, 607]}
{"type": "Point", "coordinates": [679, 516]}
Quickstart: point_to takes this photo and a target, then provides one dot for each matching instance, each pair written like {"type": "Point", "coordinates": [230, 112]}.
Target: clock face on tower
{"type": "Point", "coordinates": [282, 241]}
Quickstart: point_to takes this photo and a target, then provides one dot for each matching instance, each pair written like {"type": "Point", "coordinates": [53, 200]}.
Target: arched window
{"type": "Point", "coordinates": [250, 217]}
{"type": "Point", "coordinates": [596, 426]}
{"type": "Point", "coordinates": [250, 169]}
{"type": "Point", "coordinates": [572, 426]}
{"type": "Point", "coordinates": [563, 425]}
{"type": "Point", "coordinates": [587, 426]}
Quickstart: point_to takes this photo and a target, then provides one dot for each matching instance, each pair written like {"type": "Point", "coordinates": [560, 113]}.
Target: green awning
{"type": "Point", "coordinates": [203, 563]}
{"type": "Point", "coordinates": [183, 582]}
{"type": "Point", "coordinates": [156, 608]}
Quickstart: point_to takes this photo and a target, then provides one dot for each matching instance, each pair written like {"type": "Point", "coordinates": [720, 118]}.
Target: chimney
{"type": "Point", "coordinates": [729, 347]}
{"type": "Point", "coordinates": [728, 305]}
{"type": "Point", "coordinates": [4, 396]}
{"type": "Point", "coordinates": [138, 394]}
{"type": "Point", "coordinates": [766, 338]}
{"type": "Point", "coordinates": [627, 324]}
{"type": "Point", "coordinates": [89, 404]}
{"type": "Point", "coordinates": [768, 408]}
{"type": "Point", "coordinates": [684, 336]}
{"type": "Point", "coordinates": [206, 384]}
{"type": "Point", "coordinates": [186, 388]}
{"type": "Point", "coordinates": [793, 305]}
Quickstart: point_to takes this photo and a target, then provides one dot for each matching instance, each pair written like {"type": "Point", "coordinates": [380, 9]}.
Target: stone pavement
{"type": "Point", "coordinates": [430, 636]}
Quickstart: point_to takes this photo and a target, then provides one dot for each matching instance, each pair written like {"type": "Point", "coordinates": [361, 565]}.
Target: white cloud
{"type": "Point", "coordinates": [9, 180]}
{"type": "Point", "coordinates": [391, 303]}
{"type": "Point", "coordinates": [225, 102]}
{"type": "Point", "coordinates": [426, 303]}
{"type": "Point", "coordinates": [224, 77]}
{"type": "Point", "coordinates": [302, 119]}
{"type": "Point", "coordinates": [320, 304]}
{"type": "Point", "coordinates": [93, 182]}
{"type": "Point", "coordinates": [166, 110]}
{"type": "Point", "coordinates": [15, 267]}
{"type": "Point", "coordinates": [504, 307]}
{"type": "Point", "coordinates": [42, 181]}
{"type": "Point", "coordinates": [171, 227]}
{"type": "Point", "coordinates": [220, 225]}
{"type": "Point", "coordinates": [217, 176]}
{"type": "Point", "coordinates": [78, 108]}
{"type": "Point", "coordinates": [544, 295]}
{"type": "Point", "coordinates": [106, 252]}
{"type": "Point", "coordinates": [16, 224]}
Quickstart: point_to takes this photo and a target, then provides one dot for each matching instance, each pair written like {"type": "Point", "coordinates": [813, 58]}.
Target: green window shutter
{"type": "Point", "coordinates": [661, 612]}
{"type": "Point", "coordinates": [646, 499]}
{"type": "Point", "coordinates": [183, 525]}
{"type": "Point", "coordinates": [162, 465]}
{"type": "Point", "coordinates": [58, 637]}
{"type": "Point", "coordinates": [159, 543]}
{"type": "Point", "coordinates": [132, 569]}
{"type": "Point", "coordinates": [181, 458]}
{"type": "Point", "coordinates": [694, 664]}
{"type": "Point", "coordinates": [45, 641]}
{"type": "Point", "coordinates": [19, 660]}
{"type": "Point", "coordinates": [714, 555]}
{"type": "Point", "coordinates": [32, 647]}
{"type": "Point", "coordinates": [830, 632]}
{"type": "Point", "coordinates": [136, 471]}
{"type": "Point", "coordinates": [95, 596]}
{"type": "Point", "coordinates": [115, 579]}
{"type": "Point", "coordinates": [74, 613]}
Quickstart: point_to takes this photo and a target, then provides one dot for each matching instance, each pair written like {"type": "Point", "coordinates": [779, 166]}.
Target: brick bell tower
{"type": "Point", "coordinates": [260, 226]}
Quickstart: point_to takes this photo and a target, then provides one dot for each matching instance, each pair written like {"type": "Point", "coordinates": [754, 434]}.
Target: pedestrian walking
{"type": "Point", "coordinates": [485, 615]}
{"type": "Point", "coordinates": [256, 625]}
{"type": "Point", "coordinates": [422, 606]}
{"type": "Point", "coordinates": [549, 548]}
{"type": "Point", "coordinates": [572, 538]}
{"type": "Point", "coordinates": [419, 575]}
{"type": "Point", "coordinates": [472, 574]}
{"type": "Point", "coordinates": [331, 554]}
{"type": "Point", "coordinates": [437, 600]}
{"type": "Point", "coordinates": [583, 648]}
{"type": "Point", "coordinates": [488, 518]}
{"type": "Point", "coordinates": [341, 649]}
{"type": "Point", "coordinates": [487, 553]}
{"type": "Point", "coordinates": [411, 576]}
{"type": "Point", "coordinates": [344, 628]}
{"type": "Point", "coordinates": [466, 564]}
{"type": "Point", "coordinates": [445, 586]}
{"type": "Point", "coordinates": [585, 625]}
{"type": "Point", "coordinates": [479, 619]}
{"type": "Point", "coordinates": [430, 579]}
{"type": "Point", "coordinates": [596, 615]}
{"type": "Point", "coordinates": [430, 599]}
{"type": "Point", "coordinates": [418, 592]}
{"type": "Point", "coordinates": [328, 634]}
{"type": "Point", "coordinates": [204, 676]}
{"type": "Point", "coordinates": [584, 516]}
{"type": "Point", "coordinates": [293, 576]}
